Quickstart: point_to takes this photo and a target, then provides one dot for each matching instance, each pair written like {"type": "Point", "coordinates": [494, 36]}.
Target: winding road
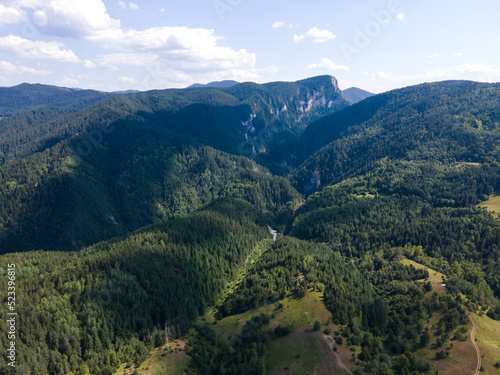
{"type": "Point", "coordinates": [478, 353]}
{"type": "Point", "coordinates": [331, 342]}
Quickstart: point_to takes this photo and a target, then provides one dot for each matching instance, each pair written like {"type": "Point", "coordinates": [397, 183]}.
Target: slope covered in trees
{"type": "Point", "coordinates": [137, 174]}
{"type": "Point", "coordinates": [396, 175]}
{"type": "Point", "coordinates": [108, 304]}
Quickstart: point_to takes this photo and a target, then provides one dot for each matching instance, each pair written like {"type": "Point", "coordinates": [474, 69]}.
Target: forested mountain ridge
{"type": "Point", "coordinates": [397, 175]}
{"type": "Point", "coordinates": [17, 99]}
{"type": "Point", "coordinates": [138, 174]}
{"type": "Point", "coordinates": [448, 122]}
{"type": "Point", "coordinates": [244, 119]}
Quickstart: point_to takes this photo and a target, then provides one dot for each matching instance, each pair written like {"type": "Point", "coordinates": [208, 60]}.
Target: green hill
{"type": "Point", "coordinates": [164, 209]}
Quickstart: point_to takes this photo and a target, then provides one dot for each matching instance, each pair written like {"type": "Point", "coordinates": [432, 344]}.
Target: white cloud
{"type": "Point", "coordinates": [89, 64]}
{"type": "Point", "coordinates": [68, 81]}
{"type": "Point", "coordinates": [74, 18]}
{"type": "Point", "coordinates": [327, 64]}
{"type": "Point", "coordinates": [400, 16]}
{"type": "Point", "coordinates": [314, 35]}
{"type": "Point", "coordinates": [162, 10]}
{"type": "Point", "coordinates": [127, 80]}
{"type": "Point", "coordinates": [20, 69]}
{"type": "Point", "coordinates": [183, 48]}
{"type": "Point", "coordinates": [9, 15]}
{"type": "Point", "coordinates": [432, 56]}
{"type": "Point", "coordinates": [36, 49]}
{"type": "Point", "coordinates": [457, 54]}
{"type": "Point", "coordinates": [124, 5]}
{"type": "Point", "coordinates": [133, 59]}
{"type": "Point", "coordinates": [282, 24]}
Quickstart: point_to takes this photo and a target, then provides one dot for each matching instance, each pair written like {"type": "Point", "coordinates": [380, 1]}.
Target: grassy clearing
{"type": "Point", "coordinates": [297, 312]}
{"type": "Point", "coordinates": [297, 354]}
{"type": "Point", "coordinates": [493, 205]}
{"type": "Point", "coordinates": [161, 361]}
{"type": "Point", "coordinates": [302, 352]}
{"type": "Point", "coordinates": [436, 278]}
{"type": "Point", "coordinates": [488, 341]}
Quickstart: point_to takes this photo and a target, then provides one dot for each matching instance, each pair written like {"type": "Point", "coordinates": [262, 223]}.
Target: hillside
{"type": "Point", "coordinates": [14, 100]}
{"type": "Point", "coordinates": [388, 236]}
{"type": "Point", "coordinates": [355, 95]}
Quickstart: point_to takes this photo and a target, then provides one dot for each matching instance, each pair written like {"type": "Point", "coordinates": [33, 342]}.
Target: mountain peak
{"type": "Point", "coordinates": [320, 83]}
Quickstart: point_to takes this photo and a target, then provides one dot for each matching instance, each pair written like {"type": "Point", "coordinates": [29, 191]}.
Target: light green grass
{"type": "Point", "coordinates": [160, 362]}
{"type": "Point", "coordinates": [435, 277]}
{"type": "Point", "coordinates": [492, 205]}
{"type": "Point", "coordinates": [488, 341]}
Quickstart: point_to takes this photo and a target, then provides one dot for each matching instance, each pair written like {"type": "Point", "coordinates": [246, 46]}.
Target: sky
{"type": "Point", "coordinates": [376, 45]}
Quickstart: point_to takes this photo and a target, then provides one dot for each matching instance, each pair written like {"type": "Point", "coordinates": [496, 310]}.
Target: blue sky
{"type": "Point", "coordinates": [150, 44]}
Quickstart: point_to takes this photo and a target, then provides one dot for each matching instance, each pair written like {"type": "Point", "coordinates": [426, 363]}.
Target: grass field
{"type": "Point", "coordinates": [493, 205]}
{"type": "Point", "coordinates": [161, 362]}
{"type": "Point", "coordinates": [462, 359]}
{"type": "Point", "coordinates": [436, 278]}
{"type": "Point", "coordinates": [302, 352]}
{"type": "Point", "coordinates": [488, 340]}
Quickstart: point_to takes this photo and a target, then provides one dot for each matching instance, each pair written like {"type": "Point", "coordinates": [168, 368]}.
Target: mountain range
{"type": "Point", "coordinates": [124, 212]}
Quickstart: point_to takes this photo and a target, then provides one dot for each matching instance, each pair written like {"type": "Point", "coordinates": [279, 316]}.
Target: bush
{"type": "Point", "coordinates": [317, 325]}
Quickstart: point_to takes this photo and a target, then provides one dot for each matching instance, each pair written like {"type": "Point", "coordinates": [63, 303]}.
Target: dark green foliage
{"type": "Point", "coordinates": [106, 305]}
{"type": "Point", "coordinates": [399, 174]}
{"type": "Point", "coordinates": [242, 355]}
{"type": "Point", "coordinates": [283, 331]}
{"type": "Point", "coordinates": [317, 325]}
{"type": "Point", "coordinates": [24, 97]}
{"type": "Point", "coordinates": [138, 175]}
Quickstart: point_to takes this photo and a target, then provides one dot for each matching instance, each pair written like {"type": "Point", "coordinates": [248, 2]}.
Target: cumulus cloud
{"type": "Point", "coordinates": [314, 35]}
{"type": "Point", "coordinates": [20, 69]}
{"type": "Point", "coordinates": [282, 24]}
{"type": "Point", "coordinates": [68, 81]}
{"type": "Point", "coordinates": [124, 5]}
{"type": "Point", "coordinates": [127, 80]}
{"type": "Point", "coordinates": [74, 18]}
{"type": "Point", "coordinates": [134, 59]}
{"type": "Point", "coordinates": [187, 49]}
{"type": "Point", "coordinates": [89, 64]}
{"type": "Point", "coordinates": [9, 15]}
{"type": "Point", "coordinates": [36, 49]}
{"type": "Point", "coordinates": [327, 64]}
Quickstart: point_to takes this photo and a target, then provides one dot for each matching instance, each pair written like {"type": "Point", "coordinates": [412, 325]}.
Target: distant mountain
{"type": "Point", "coordinates": [218, 85]}
{"type": "Point", "coordinates": [373, 192]}
{"type": "Point", "coordinates": [14, 100]}
{"type": "Point", "coordinates": [356, 95]}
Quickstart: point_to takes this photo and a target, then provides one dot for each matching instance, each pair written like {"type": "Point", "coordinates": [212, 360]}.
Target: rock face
{"type": "Point", "coordinates": [282, 110]}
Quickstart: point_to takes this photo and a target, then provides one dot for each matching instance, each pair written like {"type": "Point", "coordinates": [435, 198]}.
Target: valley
{"type": "Point", "coordinates": [126, 212]}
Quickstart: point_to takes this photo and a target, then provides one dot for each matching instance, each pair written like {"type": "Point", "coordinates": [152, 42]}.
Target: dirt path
{"type": "Point", "coordinates": [472, 333]}
{"type": "Point", "coordinates": [331, 342]}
